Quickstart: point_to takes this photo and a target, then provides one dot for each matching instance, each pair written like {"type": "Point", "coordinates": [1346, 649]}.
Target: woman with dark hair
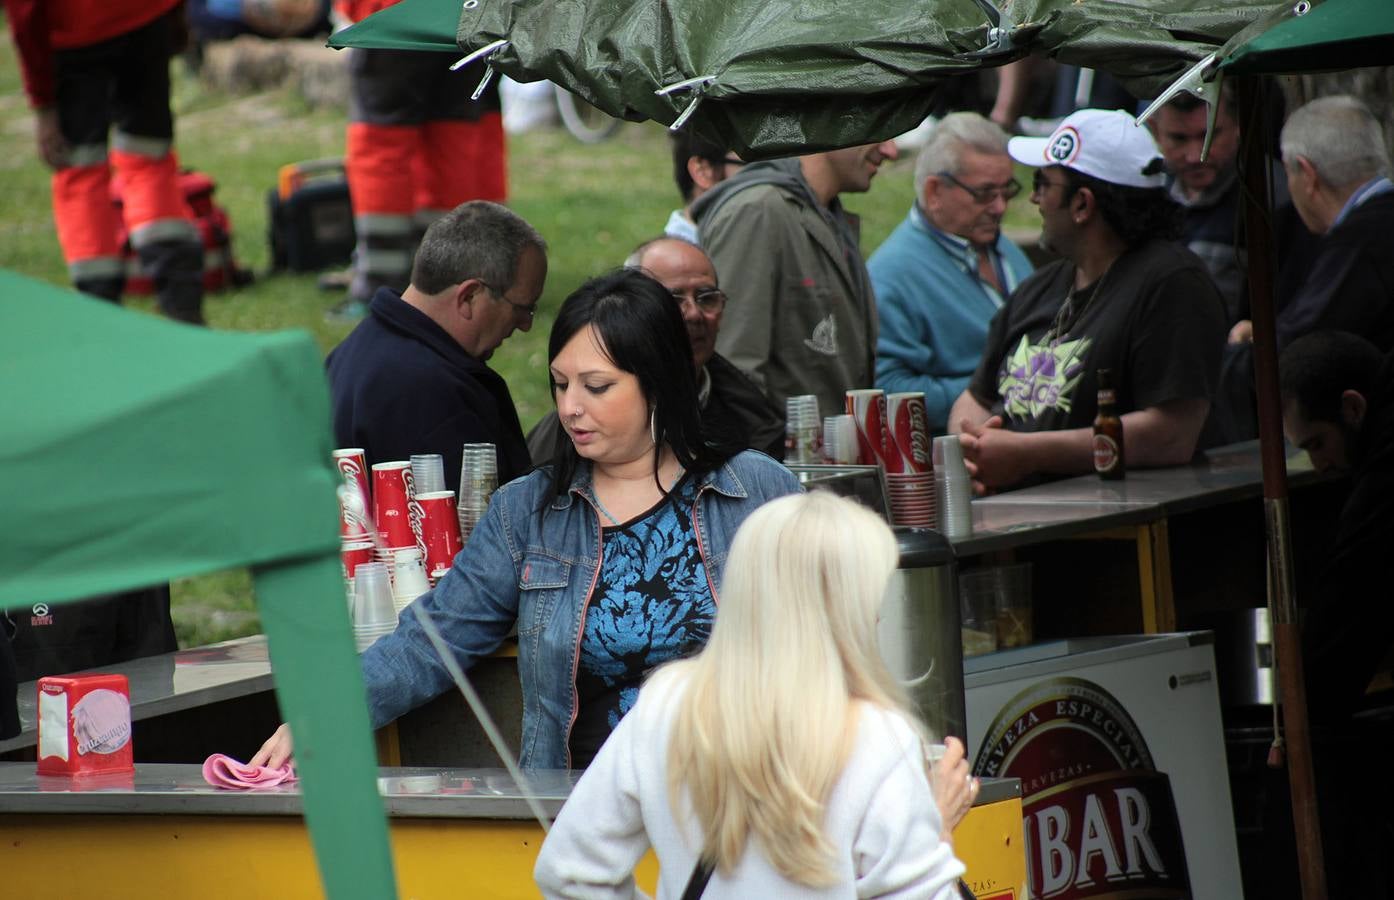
{"type": "Point", "coordinates": [607, 560]}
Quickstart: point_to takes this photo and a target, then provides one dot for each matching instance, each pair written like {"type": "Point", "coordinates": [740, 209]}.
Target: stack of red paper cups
{"type": "Point", "coordinates": [909, 468]}
{"type": "Point", "coordinates": [396, 510]}
{"type": "Point", "coordinates": [868, 409]}
{"type": "Point", "coordinates": [355, 520]}
{"type": "Point", "coordinates": [440, 531]}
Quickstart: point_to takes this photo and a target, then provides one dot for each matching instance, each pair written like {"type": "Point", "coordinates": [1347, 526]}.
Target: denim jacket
{"type": "Point", "coordinates": [538, 570]}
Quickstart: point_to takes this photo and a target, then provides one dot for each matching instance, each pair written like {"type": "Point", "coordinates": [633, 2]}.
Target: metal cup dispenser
{"type": "Point", "coordinates": [919, 632]}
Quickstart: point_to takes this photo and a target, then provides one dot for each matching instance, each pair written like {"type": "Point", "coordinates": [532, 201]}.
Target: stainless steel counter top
{"type": "Point", "coordinates": [407, 793]}
{"type": "Point", "coordinates": [1073, 506]}
{"type": "Point", "coordinates": [171, 682]}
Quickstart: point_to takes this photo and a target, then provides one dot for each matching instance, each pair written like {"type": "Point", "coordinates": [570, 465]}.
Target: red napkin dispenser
{"type": "Point", "coordinates": [84, 725]}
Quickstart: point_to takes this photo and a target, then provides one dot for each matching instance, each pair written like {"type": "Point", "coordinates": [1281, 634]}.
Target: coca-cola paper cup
{"type": "Point", "coordinates": [354, 554]}
{"type": "Point", "coordinates": [909, 431]}
{"type": "Point", "coordinates": [440, 530]}
{"type": "Point", "coordinates": [353, 466]}
{"type": "Point", "coordinates": [868, 409]}
{"type": "Point", "coordinates": [394, 492]}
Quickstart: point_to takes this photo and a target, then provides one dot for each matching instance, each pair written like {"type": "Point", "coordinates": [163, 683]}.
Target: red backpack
{"type": "Point", "coordinates": [220, 268]}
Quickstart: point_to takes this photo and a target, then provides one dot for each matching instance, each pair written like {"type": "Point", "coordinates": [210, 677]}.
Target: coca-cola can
{"type": "Point", "coordinates": [868, 409]}
{"type": "Point", "coordinates": [352, 464]}
{"type": "Point", "coordinates": [394, 493]}
{"type": "Point", "coordinates": [440, 530]}
{"type": "Point", "coordinates": [353, 554]}
{"type": "Point", "coordinates": [910, 430]}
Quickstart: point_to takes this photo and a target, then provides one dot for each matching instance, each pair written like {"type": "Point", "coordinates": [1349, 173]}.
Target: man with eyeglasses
{"type": "Point", "coordinates": [946, 270]}
{"type": "Point", "coordinates": [698, 166]}
{"type": "Point", "coordinates": [1125, 296]}
{"type": "Point", "coordinates": [732, 406]}
{"type": "Point", "coordinates": [411, 377]}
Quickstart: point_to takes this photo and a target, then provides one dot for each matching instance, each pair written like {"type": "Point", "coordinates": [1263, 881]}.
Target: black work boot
{"type": "Point", "coordinates": [108, 289]}
{"type": "Point", "coordinates": [177, 269]}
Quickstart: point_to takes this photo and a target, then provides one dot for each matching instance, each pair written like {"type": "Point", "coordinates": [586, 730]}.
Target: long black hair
{"type": "Point", "coordinates": [642, 331]}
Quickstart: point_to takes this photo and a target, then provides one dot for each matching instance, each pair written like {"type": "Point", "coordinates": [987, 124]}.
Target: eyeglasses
{"type": "Point", "coordinates": [707, 299]}
{"type": "Point", "coordinates": [1040, 183]}
{"type": "Point", "coordinates": [529, 310]}
{"type": "Point", "coordinates": [985, 195]}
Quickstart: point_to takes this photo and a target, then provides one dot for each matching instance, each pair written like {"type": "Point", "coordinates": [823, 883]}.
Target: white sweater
{"type": "Point", "coordinates": [881, 818]}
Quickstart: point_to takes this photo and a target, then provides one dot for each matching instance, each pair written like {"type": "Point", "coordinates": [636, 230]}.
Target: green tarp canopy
{"type": "Point", "coordinates": [789, 78]}
{"type": "Point", "coordinates": [1336, 34]}
{"type": "Point", "coordinates": [135, 450]}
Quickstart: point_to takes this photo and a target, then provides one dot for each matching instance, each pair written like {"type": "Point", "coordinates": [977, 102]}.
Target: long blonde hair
{"type": "Point", "coordinates": [770, 711]}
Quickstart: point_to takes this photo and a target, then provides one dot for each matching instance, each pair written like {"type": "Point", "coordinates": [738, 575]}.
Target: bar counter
{"type": "Point", "coordinates": [163, 832]}
{"type": "Point", "coordinates": [219, 698]}
{"type": "Point", "coordinates": [1171, 545]}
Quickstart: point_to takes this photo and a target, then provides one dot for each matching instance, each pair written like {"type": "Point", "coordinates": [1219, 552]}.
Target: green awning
{"type": "Point", "coordinates": [134, 450]}
{"type": "Point", "coordinates": [409, 25]}
{"type": "Point", "coordinates": [787, 77]}
{"type": "Point", "coordinates": [1334, 34]}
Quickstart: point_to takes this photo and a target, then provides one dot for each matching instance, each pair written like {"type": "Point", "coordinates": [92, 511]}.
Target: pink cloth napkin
{"type": "Point", "coordinates": [226, 772]}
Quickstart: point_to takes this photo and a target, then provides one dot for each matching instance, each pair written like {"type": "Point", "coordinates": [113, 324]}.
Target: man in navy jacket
{"type": "Point", "coordinates": [411, 378]}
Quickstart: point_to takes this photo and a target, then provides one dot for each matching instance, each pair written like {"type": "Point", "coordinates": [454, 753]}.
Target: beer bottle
{"type": "Point", "coordinates": [1108, 432]}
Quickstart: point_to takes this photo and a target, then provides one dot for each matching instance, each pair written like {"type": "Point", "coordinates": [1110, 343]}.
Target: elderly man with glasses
{"type": "Point", "coordinates": [411, 377]}
{"type": "Point", "coordinates": [946, 270]}
{"type": "Point", "coordinates": [732, 405]}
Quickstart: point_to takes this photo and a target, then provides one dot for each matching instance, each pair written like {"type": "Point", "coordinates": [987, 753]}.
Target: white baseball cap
{"type": "Point", "coordinates": [1105, 144]}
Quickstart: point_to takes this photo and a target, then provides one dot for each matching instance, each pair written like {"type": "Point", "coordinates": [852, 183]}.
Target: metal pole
{"type": "Point", "coordinates": [1251, 103]}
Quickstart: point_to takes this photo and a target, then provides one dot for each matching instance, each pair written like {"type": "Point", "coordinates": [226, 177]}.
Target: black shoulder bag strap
{"type": "Point", "coordinates": [697, 883]}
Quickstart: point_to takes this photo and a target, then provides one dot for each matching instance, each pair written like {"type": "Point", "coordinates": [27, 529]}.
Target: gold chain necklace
{"type": "Point", "coordinates": [1067, 317]}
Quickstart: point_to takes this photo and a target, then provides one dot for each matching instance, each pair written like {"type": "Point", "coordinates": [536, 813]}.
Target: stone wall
{"type": "Point", "coordinates": [248, 65]}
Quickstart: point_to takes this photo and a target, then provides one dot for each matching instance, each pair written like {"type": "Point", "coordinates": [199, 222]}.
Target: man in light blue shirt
{"type": "Point", "coordinates": [945, 271]}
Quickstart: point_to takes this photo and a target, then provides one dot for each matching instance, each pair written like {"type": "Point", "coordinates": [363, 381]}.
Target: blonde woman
{"type": "Point", "coordinates": [783, 755]}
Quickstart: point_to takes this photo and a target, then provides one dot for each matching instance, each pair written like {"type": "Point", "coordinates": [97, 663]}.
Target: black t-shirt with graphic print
{"type": "Point", "coordinates": [1158, 325]}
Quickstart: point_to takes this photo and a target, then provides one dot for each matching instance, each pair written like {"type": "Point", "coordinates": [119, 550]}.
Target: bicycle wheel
{"type": "Point", "coordinates": [585, 123]}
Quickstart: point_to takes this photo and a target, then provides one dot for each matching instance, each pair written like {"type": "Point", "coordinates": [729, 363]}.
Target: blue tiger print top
{"type": "Point", "coordinates": [652, 603]}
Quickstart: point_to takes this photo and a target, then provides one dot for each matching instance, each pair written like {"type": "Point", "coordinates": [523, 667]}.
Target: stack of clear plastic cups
{"type": "Point", "coordinates": [952, 489]}
{"type": "Point", "coordinates": [840, 440]}
{"type": "Point", "coordinates": [909, 477]}
{"type": "Point", "coordinates": [428, 469]}
{"type": "Point", "coordinates": [803, 431]}
{"type": "Point", "coordinates": [409, 579]}
{"type": "Point", "coordinates": [479, 477]}
{"type": "Point", "coordinates": [373, 613]}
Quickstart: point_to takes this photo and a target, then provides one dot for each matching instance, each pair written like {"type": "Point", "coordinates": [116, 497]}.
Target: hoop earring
{"type": "Point", "coordinates": [653, 426]}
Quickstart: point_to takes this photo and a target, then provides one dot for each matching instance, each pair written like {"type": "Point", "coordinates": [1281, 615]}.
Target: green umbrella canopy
{"type": "Point", "coordinates": [1335, 34]}
{"type": "Point", "coordinates": [790, 77]}
{"type": "Point", "coordinates": [408, 25]}
{"type": "Point", "coordinates": [134, 450]}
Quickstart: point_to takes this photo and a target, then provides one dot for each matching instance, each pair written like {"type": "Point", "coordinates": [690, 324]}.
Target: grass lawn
{"type": "Point", "coordinates": [593, 204]}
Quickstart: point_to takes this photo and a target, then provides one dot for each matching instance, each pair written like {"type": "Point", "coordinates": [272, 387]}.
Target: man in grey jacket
{"type": "Point", "coordinates": [800, 315]}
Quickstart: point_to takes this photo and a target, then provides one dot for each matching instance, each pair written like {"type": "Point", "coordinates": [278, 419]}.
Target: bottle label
{"type": "Point", "coordinates": [1107, 397]}
{"type": "Point", "coordinates": [1106, 455]}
